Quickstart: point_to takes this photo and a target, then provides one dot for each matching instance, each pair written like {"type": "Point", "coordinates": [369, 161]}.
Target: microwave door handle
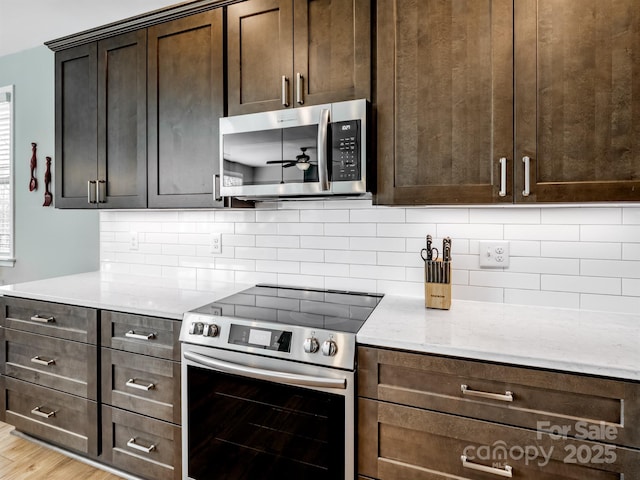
{"type": "Point", "coordinates": [323, 171]}
{"type": "Point", "coordinates": [263, 374]}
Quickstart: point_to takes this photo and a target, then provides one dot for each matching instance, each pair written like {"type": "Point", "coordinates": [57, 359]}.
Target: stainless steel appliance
{"type": "Point", "coordinates": [307, 151]}
{"type": "Point", "coordinates": [268, 384]}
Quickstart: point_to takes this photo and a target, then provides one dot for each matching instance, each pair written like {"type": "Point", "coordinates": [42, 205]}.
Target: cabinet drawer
{"type": "Point", "coordinates": [146, 385]}
{"type": "Point", "coordinates": [51, 362]}
{"type": "Point", "coordinates": [141, 445]}
{"type": "Point", "coordinates": [57, 320]}
{"type": "Point", "coordinates": [414, 444]}
{"type": "Point", "coordinates": [59, 418]}
{"type": "Point", "coordinates": [158, 337]}
{"type": "Point", "coordinates": [571, 404]}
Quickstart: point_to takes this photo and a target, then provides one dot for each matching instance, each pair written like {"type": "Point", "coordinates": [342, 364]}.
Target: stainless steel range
{"type": "Point", "coordinates": [268, 384]}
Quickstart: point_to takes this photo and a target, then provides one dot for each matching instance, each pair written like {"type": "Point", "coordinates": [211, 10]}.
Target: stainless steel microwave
{"type": "Point", "coordinates": [307, 151]}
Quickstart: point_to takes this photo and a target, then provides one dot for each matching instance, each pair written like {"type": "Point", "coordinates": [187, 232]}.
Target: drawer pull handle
{"type": "Point", "coordinates": [506, 397]}
{"type": "Point", "coordinates": [140, 336]}
{"type": "Point", "coordinates": [38, 411]}
{"type": "Point", "coordinates": [132, 383]}
{"type": "Point", "coordinates": [41, 319]}
{"type": "Point", "coordinates": [41, 361]}
{"type": "Point", "coordinates": [501, 472]}
{"type": "Point", "coordinates": [132, 444]}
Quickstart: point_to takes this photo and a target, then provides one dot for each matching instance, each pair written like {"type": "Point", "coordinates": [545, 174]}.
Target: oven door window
{"type": "Point", "coordinates": [271, 157]}
{"type": "Point", "coordinates": [242, 428]}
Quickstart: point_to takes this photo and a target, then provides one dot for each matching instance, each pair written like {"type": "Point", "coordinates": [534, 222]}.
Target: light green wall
{"type": "Point", "coordinates": [48, 242]}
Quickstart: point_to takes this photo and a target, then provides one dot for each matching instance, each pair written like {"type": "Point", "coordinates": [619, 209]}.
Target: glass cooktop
{"type": "Point", "coordinates": [324, 309]}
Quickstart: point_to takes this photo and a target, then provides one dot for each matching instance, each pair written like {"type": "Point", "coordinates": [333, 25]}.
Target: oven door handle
{"type": "Point", "coordinates": [269, 375]}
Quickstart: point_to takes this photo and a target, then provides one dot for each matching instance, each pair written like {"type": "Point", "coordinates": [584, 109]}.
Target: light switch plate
{"type": "Point", "coordinates": [494, 254]}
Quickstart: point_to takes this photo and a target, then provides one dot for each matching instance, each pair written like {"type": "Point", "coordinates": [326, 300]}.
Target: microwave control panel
{"type": "Point", "coordinates": [345, 151]}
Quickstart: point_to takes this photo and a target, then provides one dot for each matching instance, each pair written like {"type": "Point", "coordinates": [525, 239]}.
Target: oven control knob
{"type": "Point", "coordinates": [329, 348]}
{"type": "Point", "coordinates": [311, 345]}
{"type": "Point", "coordinates": [196, 328]}
{"type": "Point", "coordinates": [210, 330]}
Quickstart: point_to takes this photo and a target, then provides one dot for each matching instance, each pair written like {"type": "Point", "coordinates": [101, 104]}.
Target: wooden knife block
{"type": "Point", "coordinates": [437, 295]}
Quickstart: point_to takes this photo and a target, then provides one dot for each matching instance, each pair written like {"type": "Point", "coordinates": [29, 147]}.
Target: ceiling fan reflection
{"type": "Point", "coordinates": [302, 161]}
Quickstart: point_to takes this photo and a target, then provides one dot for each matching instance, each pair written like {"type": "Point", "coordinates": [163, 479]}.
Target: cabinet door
{"type": "Point", "coordinates": [444, 101]}
{"type": "Point", "coordinates": [76, 127]}
{"type": "Point", "coordinates": [259, 55]}
{"type": "Point", "coordinates": [578, 100]}
{"type": "Point", "coordinates": [185, 101]}
{"type": "Point", "coordinates": [332, 51]}
{"type": "Point", "coordinates": [122, 121]}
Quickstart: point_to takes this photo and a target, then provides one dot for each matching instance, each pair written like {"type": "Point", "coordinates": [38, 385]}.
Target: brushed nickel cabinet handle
{"type": "Point", "coordinates": [101, 191]}
{"type": "Point", "coordinates": [503, 177]}
{"type": "Point", "coordinates": [216, 188]}
{"type": "Point", "coordinates": [140, 336]}
{"type": "Point", "coordinates": [285, 91]}
{"type": "Point", "coordinates": [507, 471]}
{"type": "Point", "coordinates": [90, 190]}
{"type": "Point", "coordinates": [41, 319]}
{"type": "Point", "coordinates": [40, 413]}
{"type": "Point", "coordinates": [41, 361]}
{"type": "Point", "coordinates": [132, 444]}
{"type": "Point", "coordinates": [299, 79]}
{"type": "Point", "coordinates": [527, 180]}
{"type": "Point", "coordinates": [132, 384]}
{"type": "Point", "coordinates": [506, 397]}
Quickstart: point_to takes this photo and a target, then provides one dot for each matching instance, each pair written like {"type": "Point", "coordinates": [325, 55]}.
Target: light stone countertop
{"type": "Point", "coordinates": [596, 343]}
{"type": "Point", "coordinates": [580, 341]}
{"type": "Point", "coordinates": [124, 293]}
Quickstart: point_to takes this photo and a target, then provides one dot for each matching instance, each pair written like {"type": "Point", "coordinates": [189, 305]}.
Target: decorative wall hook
{"type": "Point", "coordinates": [48, 198]}
{"type": "Point", "coordinates": [33, 183]}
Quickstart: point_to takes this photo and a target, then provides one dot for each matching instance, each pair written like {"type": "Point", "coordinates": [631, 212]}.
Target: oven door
{"type": "Point", "coordinates": [247, 417]}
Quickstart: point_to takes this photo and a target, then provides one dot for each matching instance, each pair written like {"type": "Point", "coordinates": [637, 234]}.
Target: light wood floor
{"type": "Point", "coordinates": [24, 460]}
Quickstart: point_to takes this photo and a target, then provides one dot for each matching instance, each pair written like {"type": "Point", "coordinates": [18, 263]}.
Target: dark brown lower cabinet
{"type": "Point", "coordinates": [65, 420]}
{"type": "Point", "coordinates": [140, 392]}
{"type": "Point", "coordinates": [141, 445]}
{"type": "Point", "coordinates": [425, 417]}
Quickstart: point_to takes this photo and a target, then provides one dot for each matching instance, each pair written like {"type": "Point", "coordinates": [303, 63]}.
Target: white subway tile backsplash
{"type": "Point", "coordinates": [324, 216]}
{"type": "Point", "coordinates": [564, 256]}
{"type": "Point", "coordinates": [542, 232]}
{"type": "Point", "coordinates": [284, 241]}
{"type": "Point", "coordinates": [351, 256]}
{"type": "Point", "coordinates": [301, 254]}
{"type": "Point", "coordinates": [601, 250]}
{"type": "Point", "coordinates": [437, 215]}
{"type": "Point", "coordinates": [350, 229]}
{"type": "Point", "coordinates": [582, 216]}
{"type": "Point", "coordinates": [581, 284]}
{"type": "Point", "coordinates": [504, 215]}
{"type": "Point", "coordinates": [378, 244]}
{"type": "Point", "coordinates": [378, 215]}
{"type": "Point", "coordinates": [610, 268]}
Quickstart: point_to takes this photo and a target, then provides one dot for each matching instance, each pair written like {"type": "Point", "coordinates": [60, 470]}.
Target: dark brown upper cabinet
{"type": "Point", "coordinates": [101, 124]}
{"type": "Point", "coordinates": [501, 101]}
{"type": "Point", "coordinates": [444, 100]}
{"type": "Point", "coordinates": [285, 53]}
{"type": "Point", "coordinates": [185, 101]}
{"type": "Point", "coordinates": [577, 100]}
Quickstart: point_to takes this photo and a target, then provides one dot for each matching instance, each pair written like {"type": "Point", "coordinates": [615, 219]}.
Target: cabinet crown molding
{"type": "Point", "coordinates": [179, 10]}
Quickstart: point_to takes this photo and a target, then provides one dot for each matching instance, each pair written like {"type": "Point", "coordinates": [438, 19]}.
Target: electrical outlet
{"type": "Point", "coordinates": [494, 254]}
{"type": "Point", "coordinates": [133, 240]}
{"type": "Point", "coordinates": [216, 243]}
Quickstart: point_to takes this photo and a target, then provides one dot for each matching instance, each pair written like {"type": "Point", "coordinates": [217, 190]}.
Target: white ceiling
{"type": "Point", "coordinates": [26, 24]}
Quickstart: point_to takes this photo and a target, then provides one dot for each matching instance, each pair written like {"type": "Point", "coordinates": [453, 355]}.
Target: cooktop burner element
{"type": "Point", "coordinates": [299, 324]}
{"type": "Point", "coordinates": [325, 309]}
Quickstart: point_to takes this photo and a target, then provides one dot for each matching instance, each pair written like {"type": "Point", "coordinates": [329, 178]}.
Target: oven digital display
{"type": "Point", "coordinates": [277, 340]}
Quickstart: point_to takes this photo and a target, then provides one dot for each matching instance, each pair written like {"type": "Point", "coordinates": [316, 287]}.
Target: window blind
{"type": "Point", "coordinates": [6, 177]}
